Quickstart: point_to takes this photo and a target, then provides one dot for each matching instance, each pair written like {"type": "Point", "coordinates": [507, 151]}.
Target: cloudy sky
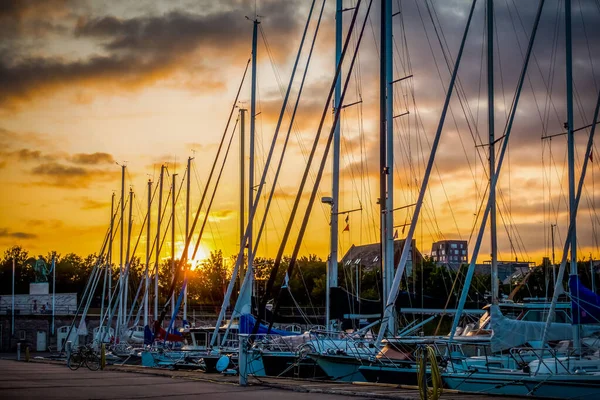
{"type": "Point", "coordinates": [87, 85]}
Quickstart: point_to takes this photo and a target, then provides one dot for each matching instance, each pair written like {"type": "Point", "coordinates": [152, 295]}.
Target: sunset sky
{"type": "Point", "coordinates": [86, 85]}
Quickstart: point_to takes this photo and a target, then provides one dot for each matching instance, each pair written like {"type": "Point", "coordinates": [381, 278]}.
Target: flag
{"type": "Point", "coordinates": [347, 228]}
{"type": "Point", "coordinates": [347, 218]}
{"type": "Point", "coordinates": [396, 234]}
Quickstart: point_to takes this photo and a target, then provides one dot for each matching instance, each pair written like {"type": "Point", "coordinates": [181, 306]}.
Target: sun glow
{"type": "Point", "coordinates": [201, 256]}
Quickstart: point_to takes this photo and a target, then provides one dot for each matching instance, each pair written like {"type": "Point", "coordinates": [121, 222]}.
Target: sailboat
{"type": "Point", "coordinates": [554, 373]}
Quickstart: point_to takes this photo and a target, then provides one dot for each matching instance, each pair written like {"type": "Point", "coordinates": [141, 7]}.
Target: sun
{"type": "Point", "coordinates": [201, 256]}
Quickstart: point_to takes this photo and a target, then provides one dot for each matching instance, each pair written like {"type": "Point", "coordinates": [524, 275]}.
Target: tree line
{"type": "Point", "coordinates": [208, 281]}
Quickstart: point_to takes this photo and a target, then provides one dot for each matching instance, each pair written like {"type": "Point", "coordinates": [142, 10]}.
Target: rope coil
{"type": "Point", "coordinates": [424, 354]}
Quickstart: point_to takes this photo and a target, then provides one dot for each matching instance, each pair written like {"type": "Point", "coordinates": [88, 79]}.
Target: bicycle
{"type": "Point", "coordinates": [83, 355]}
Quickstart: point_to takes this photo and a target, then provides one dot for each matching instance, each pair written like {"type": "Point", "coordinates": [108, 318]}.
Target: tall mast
{"type": "Point", "coordinates": [251, 151]}
{"type": "Point", "coordinates": [390, 301]}
{"type": "Point", "coordinates": [492, 156]}
{"type": "Point", "coordinates": [332, 273]}
{"type": "Point", "coordinates": [389, 148]}
{"type": "Point", "coordinates": [121, 266]}
{"type": "Point", "coordinates": [148, 247]}
{"type": "Point", "coordinates": [242, 184]}
{"type": "Point", "coordinates": [382, 153]}
{"type": "Point", "coordinates": [127, 258]}
{"type": "Point", "coordinates": [187, 230]}
{"type": "Point", "coordinates": [110, 244]}
{"type": "Point", "coordinates": [157, 259]}
{"type": "Point", "coordinates": [173, 238]}
{"type": "Point", "coordinates": [571, 153]}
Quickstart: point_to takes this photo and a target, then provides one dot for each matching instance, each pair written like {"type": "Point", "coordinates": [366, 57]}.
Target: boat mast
{"type": "Point", "coordinates": [391, 299]}
{"type": "Point", "coordinates": [382, 154]}
{"type": "Point", "coordinates": [106, 269]}
{"type": "Point", "coordinates": [148, 247]}
{"type": "Point", "coordinates": [242, 186]}
{"type": "Point", "coordinates": [492, 152]}
{"type": "Point", "coordinates": [157, 259]}
{"type": "Point", "coordinates": [187, 231]}
{"type": "Point", "coordinates": [127, 257]}
{"type": "Point", "coordinates": [332, 264]}
{"type": "Point", "coordinates": [251, 153]}
{"type": "Point", "coordinates": [571, 153]}
{"type": "Point", "coordinates": [121, 266]}
{"type": "Point", "coordinates": [110, 244]}
{"type": "Point", "coordinates": [508, 131]}
{"type": "Point", "coordinates": [173, 239]}
{"type": "Point", "coordinates": [388, 267]}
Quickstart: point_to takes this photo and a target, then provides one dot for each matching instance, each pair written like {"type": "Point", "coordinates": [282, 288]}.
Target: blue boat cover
{"type": "Point", "coordinates": [247, 322]}
{"type": "Point", "coordinates": [585, 304]}
{"type": "Point", "coordinates": [148, 336]}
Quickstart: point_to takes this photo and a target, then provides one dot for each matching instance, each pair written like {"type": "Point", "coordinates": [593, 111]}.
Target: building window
{"type": "Point", "coordinates": [443, 252]}
{"type": "Point", "coordinates": [441, 247]}
{"type": "Point", "coordinates": [22, 335]}
{"type": "Point", "coordinates": [453, 245]}
{"type": "Point", "coordinates": [461, 245]}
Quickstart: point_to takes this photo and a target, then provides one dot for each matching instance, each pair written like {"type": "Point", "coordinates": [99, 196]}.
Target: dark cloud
{"type": "Point", "coordinates": [6, 233]}
{"type": "Point", "coordinates": [59, 170]}
{"type": "Point", "coordinates": [61, 175]}
{"type": "Point", "coordinates": [146, 49]}
{"type": "Point", "coordinates": [92, 158]}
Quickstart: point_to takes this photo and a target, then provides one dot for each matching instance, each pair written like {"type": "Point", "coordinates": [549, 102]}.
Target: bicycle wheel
{"type": "Point", "coordinates": [92, 361]}
{"type": "Point", "coordinates": [75, 360]}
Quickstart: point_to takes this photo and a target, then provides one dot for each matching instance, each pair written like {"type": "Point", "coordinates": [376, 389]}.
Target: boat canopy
{"type": "Point", "coordinates": [247, 322]}
{"type": "Point", "coordinates": [585, 304]}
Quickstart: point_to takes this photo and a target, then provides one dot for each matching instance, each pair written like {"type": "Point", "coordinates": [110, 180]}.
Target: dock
{"type": "Point", "coordinates": [40, 379]}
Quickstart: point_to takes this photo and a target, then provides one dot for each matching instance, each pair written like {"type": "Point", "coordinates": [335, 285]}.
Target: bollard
{"type": "Point", "coordinates": [18, 351]}
{"type": "Point", "coordinates": [27, 354]}
{"type": "Point", "coordinates": [243, 359]}
{"type": "Point", "coordinates": [102, 356]}
{"type": "Point", "coordinates": [68, 348]}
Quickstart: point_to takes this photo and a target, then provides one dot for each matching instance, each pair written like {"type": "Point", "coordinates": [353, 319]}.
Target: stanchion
{"type": "Point", "coordinates": [243, 359]}
{"type": "Point", "coordinates": [27, 354]}
{"type": "Point", "coordinates": [103, 356]}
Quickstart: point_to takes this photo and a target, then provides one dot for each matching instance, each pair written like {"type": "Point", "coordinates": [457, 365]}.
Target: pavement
{"type": "Point", "coordinates": [21, 380]}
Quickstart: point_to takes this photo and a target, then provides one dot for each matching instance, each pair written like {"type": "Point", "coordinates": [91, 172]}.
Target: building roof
{"type": "Point", "coordinates": [368, 255]}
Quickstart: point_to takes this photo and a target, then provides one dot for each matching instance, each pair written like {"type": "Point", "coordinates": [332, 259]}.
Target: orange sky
{"type": "Point", "coordinates": [84, 86]}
